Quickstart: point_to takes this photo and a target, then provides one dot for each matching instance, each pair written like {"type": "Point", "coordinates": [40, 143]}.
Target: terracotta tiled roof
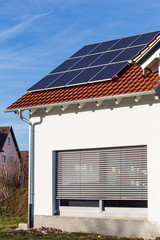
{"type": "Point", "coordinates": [5, 129]}
{"type": "Point", "coordinates": [130, 80]}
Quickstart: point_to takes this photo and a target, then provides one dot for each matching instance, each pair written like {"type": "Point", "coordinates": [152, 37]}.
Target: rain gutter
{"type": "Point", "coordinates": [113, 97]}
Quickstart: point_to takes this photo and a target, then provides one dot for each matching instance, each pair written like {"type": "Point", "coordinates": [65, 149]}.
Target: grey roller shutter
{"type": "Point", "coordinates": [107, 174]}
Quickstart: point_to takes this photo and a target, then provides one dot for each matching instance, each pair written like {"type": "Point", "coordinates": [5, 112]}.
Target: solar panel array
{"type": "Point", "coordinates": [95, 62]}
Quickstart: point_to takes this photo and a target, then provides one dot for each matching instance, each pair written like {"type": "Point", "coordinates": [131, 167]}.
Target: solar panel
{"type": "Point", "coordinates": [86, 61]}
{"type": "Point", "coordinates": [128, 53]}
{"type": "Point", "coordinates": [109, 71]}
{"type": "Point", "coordinates": [85, 50]}
{"type": "Point", "coordinates": [124, 42]}
{"type": "Point", "coordinates": [106, 58]}
{"type": "Point", "coordinates": [44, 82]}
{"type": "Point", "coordinates": [145, 38]}
{"type": "Point", "coordinates": [67, 65]}
{"type": "Point", "coordinates": [85, 75]}
{"type": "Point", "coordinates": [104, 46]}
{"type": "Point", "coordinates": [64, 79]}
{"type": "Point", "coordinates": [95, 62]}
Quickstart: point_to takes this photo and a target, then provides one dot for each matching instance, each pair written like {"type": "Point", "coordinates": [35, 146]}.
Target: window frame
{"type": "Point", "coordinates": [9, 140]}
{"type": "Point", "coordinates": [3, 159]}
{"type": "Point", "coordinates": [139, 203]}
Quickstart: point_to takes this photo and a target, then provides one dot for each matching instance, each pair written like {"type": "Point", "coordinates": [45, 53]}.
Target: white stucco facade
{"type": "Point", "coordinates": [110, 125]}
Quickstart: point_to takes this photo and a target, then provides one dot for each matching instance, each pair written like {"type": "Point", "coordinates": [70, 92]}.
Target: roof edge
{"type": "Point", "coordinates": [147, 48]}
{"type": "Point", "coordinates": [15, 141]}
{"type": "Point", "coordinates": [83, 100]}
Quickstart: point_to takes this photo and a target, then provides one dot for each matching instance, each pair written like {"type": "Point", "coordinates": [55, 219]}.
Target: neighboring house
{"type": "Point", "coordinates": [94, 140]}
{"type": "Point", "coordinates": [8, 145]}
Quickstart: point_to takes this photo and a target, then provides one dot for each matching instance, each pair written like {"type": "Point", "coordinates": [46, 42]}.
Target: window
{"type": "Point", "coordinates": [79, 203]}
{"type": "Point", "coordinates": [3, 159]}
{"type": "Point", "coordinates": [9, 140]}
{"type": "Point", "coordinates": [116, 175]}
{"type": "Point", "coordinates": [126, 203]}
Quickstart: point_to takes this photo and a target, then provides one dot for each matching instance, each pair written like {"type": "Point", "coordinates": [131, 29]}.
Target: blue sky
{"type": "Point", "coordinates": [37, 35]}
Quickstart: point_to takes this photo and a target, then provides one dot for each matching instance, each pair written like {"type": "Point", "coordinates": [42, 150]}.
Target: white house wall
{"type": "Point", "coordinates": [90, 127]}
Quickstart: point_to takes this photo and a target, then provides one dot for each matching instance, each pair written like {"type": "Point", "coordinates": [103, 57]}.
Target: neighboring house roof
{"type": "Point", "coordinates": [130, 79]}
{"type": "Point", "coordinates": [3, 137]}
{"type": "Point", "coordinates": [4, 131]}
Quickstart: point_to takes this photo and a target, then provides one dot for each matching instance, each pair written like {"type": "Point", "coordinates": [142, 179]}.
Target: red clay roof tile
{"type": "Point", "coordinates": [130, 80]}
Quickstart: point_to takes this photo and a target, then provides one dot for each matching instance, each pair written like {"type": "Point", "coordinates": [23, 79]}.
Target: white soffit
{"type": "Point", "coordinates": [81, 103]}
{"type": "Point", "coordinates": [152, 60]}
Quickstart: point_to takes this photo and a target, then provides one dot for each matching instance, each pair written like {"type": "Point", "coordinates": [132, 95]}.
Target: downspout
{"type": "Point", "coordinates": [157, 89]}
{"type": "Point", "coordinates": [31, 171]}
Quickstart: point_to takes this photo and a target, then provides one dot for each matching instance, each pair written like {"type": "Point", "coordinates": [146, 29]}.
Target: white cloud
{"type": "Point", "coordinates": [17, 29]}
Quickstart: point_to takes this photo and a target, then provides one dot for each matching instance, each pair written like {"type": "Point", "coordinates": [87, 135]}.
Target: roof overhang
{"type": "Point", "coordinates": [99, 100]}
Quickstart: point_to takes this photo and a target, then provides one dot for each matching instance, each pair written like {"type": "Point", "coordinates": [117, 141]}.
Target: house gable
{"type": "Point", "coordinates": [4, 131]}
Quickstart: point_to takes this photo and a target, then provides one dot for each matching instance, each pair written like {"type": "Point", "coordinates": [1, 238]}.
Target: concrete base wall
{"type": "Point", "coordinates": [110, 212]}
{"type": "Point", "coordinates": [106, 226]}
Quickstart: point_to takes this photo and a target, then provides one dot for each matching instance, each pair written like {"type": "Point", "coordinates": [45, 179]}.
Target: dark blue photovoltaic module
{"type": "Point", "coordinates": [104, 46]}
{"type": "Point", "coordinates": [95, 62]}
{"type": "Point", "coordinates": [124, 42]}
{"type": "Point", "coordinates": [145, 38]}
{"type": "Point", "coordinates": [67, 65]}
{"type": "Point", "coordinates": [64, 78]}
{"type": "Point", "coordinates": [86, 61]}
{"type": "Point", "coordinates": [128, 53]}
{"type": "Point", "coordinates": [107, 58]}
{"type": "Point", "coordinates": [44, 82]}
{"type": "Point", "coordinates": [109, 71]}
{"type": "Point", "coordinates": [85, 50]}
{"type": "Point", "coordinates": [86, 75]}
